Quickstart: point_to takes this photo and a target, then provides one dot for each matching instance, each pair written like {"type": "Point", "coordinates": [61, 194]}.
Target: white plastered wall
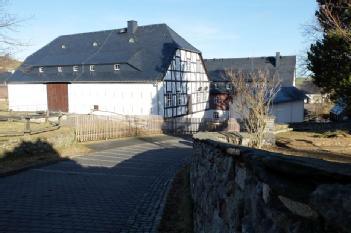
{"type": "Point", "coordinates": [121, 98]}
{"type": "Point", "coordinates": [289, 112]}
{"type": "Point", "coordinates": [27, 97]}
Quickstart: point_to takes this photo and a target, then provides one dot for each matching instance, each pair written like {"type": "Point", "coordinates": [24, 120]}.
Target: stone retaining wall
{"type": "Point", "coordinates": [240, 189]}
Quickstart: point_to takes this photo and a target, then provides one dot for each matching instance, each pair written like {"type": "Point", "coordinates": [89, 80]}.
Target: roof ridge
{"type": "Point", "coordinates": [237, 58]}
{"type": "Point", "coordinates": [110, 30]}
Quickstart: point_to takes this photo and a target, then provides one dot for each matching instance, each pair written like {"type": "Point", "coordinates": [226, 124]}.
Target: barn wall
{"type": "Point", "coordinates": [289, 112]}
{"type": "Point", "coordinates": [27, 97]}
{"type": "Point", "coordinates": [121, 98]}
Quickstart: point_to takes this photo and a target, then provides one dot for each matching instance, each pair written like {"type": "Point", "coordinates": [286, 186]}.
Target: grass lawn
{"type": "Point", "coordinates": [177, 214]}
{"type": "Point", "coordinates": [332, 146]}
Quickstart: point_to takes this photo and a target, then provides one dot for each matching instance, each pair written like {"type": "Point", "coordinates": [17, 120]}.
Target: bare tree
{"type": "Point", "coordinates": [8, 25]}
{"type": "Point", "coordinates": [333, 21]}
{"type": "Point", "coordinates": [252, 98]}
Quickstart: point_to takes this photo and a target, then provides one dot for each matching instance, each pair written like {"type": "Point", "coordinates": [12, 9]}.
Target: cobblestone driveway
{"type": "Point", "coordinates": [121, 189]}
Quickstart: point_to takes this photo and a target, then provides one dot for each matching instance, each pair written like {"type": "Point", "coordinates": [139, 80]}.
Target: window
{"type": "Point", "coordinates": [168, 100]}
{"type": "Point", "coordinates": [188, 65]}
{"type": "Point", "coordinates": [179, 99]}
{"type": "Point", "coordinates": [92, 67]}
{"type": "Point", "coordinates": [228, 86]}
{"type": "Point", "coordinates": [75, 68]}
{"type": "Point", "coordinates": [95, 44]}
{"type": "Point", "coordinates": [217, 100]}
{"type": "Point", "coordinates": [215, 115]}
{"type": "Point", "coordinates": [59, 69]}
{"type": "Point", "coordinates": [116, 67]}
{"type": "Point", "coordinates": [63, 46]}
{"type": "Point", "coordinates": [41, 69]}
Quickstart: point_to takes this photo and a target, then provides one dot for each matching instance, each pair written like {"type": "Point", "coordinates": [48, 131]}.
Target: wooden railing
{"type": "Point", "coordinates": [94, 127]}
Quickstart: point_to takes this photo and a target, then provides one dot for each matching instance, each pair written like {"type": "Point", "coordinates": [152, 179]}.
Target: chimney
{"type": "Point", "coordinates": [132, 26]}
{"type": "Point", "coordinates": [277, 59]}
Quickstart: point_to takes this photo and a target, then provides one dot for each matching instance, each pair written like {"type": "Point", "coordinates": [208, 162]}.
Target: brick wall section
{"type": "Point", "coordinates": [240, 189]}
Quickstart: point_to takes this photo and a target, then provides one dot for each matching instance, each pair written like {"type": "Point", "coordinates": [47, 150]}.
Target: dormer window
{"type": "Point", "coordinates": [95, 44]}
{"type": "Point", "coordinates": [59, 69]}
{"type": "Point", "coordinates": [92, 67]}
{"type": "Point", "coordinates": [75, 69]}
{"type": "Point", "coordinates": [116, 67]}
{"type": "Point", "coordinates": [63, 46]}
{"type": "Point", "coordinates": [41, 69]}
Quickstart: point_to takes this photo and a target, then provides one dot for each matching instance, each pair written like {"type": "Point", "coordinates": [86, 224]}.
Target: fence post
{"type": "Point", "coordinates": [27, 125]}
{"type": "Point", "coordinates": [59, 119]}
{"type": "Point", "coordinates": [47, 114]}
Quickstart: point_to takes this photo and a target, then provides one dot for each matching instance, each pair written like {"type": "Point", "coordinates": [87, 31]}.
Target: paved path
{"type": "Point", "coordinates": [121, 189]}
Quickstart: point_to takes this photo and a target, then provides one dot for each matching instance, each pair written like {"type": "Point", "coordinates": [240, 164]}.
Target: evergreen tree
{"type": "Point", "coordinates": [329, 59]}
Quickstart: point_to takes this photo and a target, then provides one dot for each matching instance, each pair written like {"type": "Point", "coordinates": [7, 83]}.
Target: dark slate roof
{"type": "Point", "coordinates": [288, 94]}
{"type": "Point", "coordinates": [216, 68]}
{"type": "Point", "coordinates": [147, 59]}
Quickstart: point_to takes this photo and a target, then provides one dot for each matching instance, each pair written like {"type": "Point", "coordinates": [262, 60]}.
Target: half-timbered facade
{"type": "Point", "coordinates": [186, 87]}
{"type": "Point", "coordinates": [137, 70]}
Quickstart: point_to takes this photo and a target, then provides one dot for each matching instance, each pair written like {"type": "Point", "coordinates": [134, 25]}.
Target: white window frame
{"type": "Point", "coordinates": [168, 100]}
{"type": "Point", "coordinates": [59, 69]}
{"type": "Point", "coordinates": [92, 68]}
{"type": "Point", "coordinates": [116, 67]}
{"type": "Point", "coordinates": [41, 69]}
{"type": "Point", "coordinates": [216, 115]}
{"type": "Point", "coordinates": [179, 99]}
{"type": "Point", "coordinates": [75, 68]}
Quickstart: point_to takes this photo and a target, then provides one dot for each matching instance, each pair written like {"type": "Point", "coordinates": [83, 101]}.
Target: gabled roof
{"type": "Point", "coordinates": [286, 67]}
{"type": "Point", "coordinates": [288, 94]}
{"type": "Point", "coordinates": [145, 57]}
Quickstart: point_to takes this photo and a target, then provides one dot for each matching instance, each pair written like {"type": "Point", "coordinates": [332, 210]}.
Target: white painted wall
{"type": "Point", "coordinates": [27, 97]}
{"type": "Point", "coordinates": [289, 112]}
{"type": "Point", "coordinates": [121, 98]}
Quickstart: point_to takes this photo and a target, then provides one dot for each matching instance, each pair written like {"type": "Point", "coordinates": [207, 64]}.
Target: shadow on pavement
{"type": "Point", "coordinates": [114, 190]}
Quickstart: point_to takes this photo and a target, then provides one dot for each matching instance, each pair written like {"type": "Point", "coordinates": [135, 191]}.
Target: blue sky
{"type": "Point", "coordinates": [219, 28]}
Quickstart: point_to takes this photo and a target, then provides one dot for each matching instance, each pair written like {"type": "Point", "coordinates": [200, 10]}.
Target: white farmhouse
{"type": "Point", "coordinates": [137, 70]}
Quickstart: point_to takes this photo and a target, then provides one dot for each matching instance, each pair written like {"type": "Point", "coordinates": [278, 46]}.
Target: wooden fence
{"type": "Point", "coordinates": [94, 127]}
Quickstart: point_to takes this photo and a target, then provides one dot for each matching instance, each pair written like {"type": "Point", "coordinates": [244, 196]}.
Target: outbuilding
{"type": "Point", "coordinates": [288, 105]}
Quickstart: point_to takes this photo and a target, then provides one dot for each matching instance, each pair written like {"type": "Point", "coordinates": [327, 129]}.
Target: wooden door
{"type": "Point", "coordinates": [57, 97]}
